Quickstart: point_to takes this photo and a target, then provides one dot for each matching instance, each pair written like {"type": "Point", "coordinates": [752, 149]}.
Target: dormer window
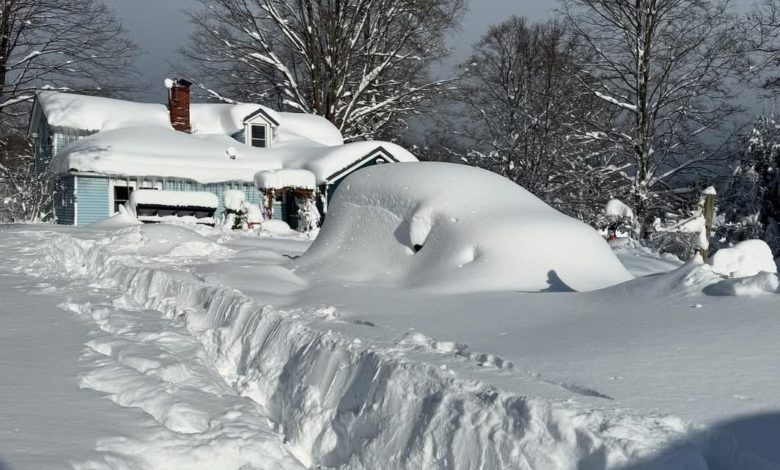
{"type": "Point", "coordinates": [260, 128]}
{"type": "Point", "coordinates": [259, 137]}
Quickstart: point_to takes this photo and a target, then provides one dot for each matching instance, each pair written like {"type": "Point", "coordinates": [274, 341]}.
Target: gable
{"type": "Point", "coordinates": [261, 114]}
{"type": "Point", "coordinates": [377, 156]}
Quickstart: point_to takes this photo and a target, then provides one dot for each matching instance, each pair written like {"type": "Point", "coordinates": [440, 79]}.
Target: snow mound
{"type": "Point", "coordinates": [746, 258]}
{"type": "Point", "coordinates": [123, 218]}
{"type": "Point", "coordinates": [749, 286]}
{"type": "Point", "coordinates": [455, 228]}
{"type": "Point", "coordinates": [276, 227]}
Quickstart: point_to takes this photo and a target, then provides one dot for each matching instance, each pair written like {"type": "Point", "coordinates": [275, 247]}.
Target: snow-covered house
{"type": "Point", "coordinates": [102, 149]}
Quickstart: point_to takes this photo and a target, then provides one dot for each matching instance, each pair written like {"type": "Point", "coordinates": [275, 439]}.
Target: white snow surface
{"type": "Point", "coordinates": [234, 199]}
{"type": "Point", "coordinates": [746, 258]}
{"type": "Point", "coordinates": [214, 353]}
{"type": "Point", "coordinates": [173, 198]}
{"type": "Point", "coordinates": [475, 231]}
{"type": "Point", "coordinates": [285, 178]}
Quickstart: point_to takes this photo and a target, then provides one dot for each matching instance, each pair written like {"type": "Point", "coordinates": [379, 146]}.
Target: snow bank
{"type": "Point", "coordinates": [343, 404]}
{"type": "Point", "coordinates": [276, 227]}
{"type": "Point", "coordinates": [123, 218]}
{"type": "Point", "coordinates": [455, 228]}
{"type": "Point", "coordinates": [761, 283]}
{"type": "Point", "coordinates": [285, 178]}
{"type": "Point", "coordinates": [746, 258]}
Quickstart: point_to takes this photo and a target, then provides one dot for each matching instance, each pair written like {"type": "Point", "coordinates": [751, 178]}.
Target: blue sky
{"type": "Point", "coordinates": [159, 27]}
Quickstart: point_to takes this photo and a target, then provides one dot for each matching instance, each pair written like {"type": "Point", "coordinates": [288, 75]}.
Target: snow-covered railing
{"type": "Point", "coordinates": [699, 223]}
{"type": "Point", "coordinates": [154, 206]}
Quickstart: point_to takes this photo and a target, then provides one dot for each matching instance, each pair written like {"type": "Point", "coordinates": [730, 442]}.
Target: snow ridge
{"type": "Point", "coordinates": [344, 404]}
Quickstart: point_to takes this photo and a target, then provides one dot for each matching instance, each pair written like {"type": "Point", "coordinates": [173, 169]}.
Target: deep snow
{"type": "Point", "coordinates": [190, 323]}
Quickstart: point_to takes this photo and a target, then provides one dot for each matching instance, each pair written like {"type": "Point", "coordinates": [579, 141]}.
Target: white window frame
{"type": "Point", "coordinates": [269, 131]}
{"type": "Point", "coordinates": [130, 183]}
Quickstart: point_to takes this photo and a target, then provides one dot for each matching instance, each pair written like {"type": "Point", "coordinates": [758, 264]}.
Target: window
{"type": "Point", "coordinates": [121, 196]}
{"type": "Point", "coordinates": [259, 137]}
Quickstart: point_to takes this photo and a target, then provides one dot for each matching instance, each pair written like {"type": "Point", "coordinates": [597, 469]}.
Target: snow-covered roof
{"type": "Point", "coordinates": [158, 152]}
{"type": "Point", "coordinates": [94, 113]}
{"type": "Point", "coordinates": [136, 139]}
{"type": "Point", "coordinates": [285, 178]}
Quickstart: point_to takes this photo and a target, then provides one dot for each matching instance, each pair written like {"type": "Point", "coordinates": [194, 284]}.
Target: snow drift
{"type": "Point", "coordinates": [343, 404]}
{"type": "Point", "coordinates": [455, 228]}
{"type": "Point", "coordinates": [746, 258]}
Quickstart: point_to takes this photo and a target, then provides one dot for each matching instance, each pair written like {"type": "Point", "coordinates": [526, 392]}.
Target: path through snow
{"type": "Point", "coordinates": [171, 408]}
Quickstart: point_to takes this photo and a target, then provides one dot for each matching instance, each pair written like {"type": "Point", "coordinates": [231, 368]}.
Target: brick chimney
{"type": "Point", "coordinates": [179, 104]}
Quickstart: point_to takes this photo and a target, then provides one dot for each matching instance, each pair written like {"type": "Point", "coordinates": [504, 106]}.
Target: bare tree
{"type": "Point", "coordinates": [58, 44]}
{"type": "Point", "coordinates": [518, 110]}
{"type": "Point", "coordinates": [763, 36]}
{"type": "Point", "coordinates": [26, 194]}
{"type": "Point", "coordinates": [665, 66]}
{"type": "Point", "coordinates": [362, 64]}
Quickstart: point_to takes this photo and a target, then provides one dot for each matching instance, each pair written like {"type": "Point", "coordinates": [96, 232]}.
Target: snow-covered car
{"type": "Point", "coordinates": [455, 228]}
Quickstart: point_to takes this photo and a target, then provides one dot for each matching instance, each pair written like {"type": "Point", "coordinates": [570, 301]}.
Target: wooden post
{"type": "Point", "coordinates": [708, 211]}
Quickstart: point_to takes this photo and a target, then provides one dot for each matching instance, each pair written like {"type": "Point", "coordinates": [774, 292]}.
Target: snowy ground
{"type": "Point", "coordinates": [163, 347]}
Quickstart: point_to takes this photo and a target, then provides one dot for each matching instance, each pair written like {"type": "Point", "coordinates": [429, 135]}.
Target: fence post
{"type": "Point", "coordinates": [708, 211]}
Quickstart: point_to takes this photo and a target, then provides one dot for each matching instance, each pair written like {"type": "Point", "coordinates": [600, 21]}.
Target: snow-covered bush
{"type": "Point", "coordinates": [254, 215]}
{"type": "Point", "coordinates": [235, 209]}
{"type": "Point", "coordinates": [617, 218]}
{"type": "Point", "coordinates": [455, 228]}
{"type": "Point", "coordinates": [751, 205]}
{"type": "Point", "coordinates": [308, 215]}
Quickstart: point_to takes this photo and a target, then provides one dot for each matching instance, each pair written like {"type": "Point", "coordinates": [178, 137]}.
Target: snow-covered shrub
{"type": "Point", "coordinates": [254, 214]}
{"type": "Point", "coordinates": [617, 218]}
{"type": "Point", "coordinates": [235, 211]}
{"type": "Point", "coordinates": [751, 205]}
{"type": "Point", "coordinates": [308, 215]}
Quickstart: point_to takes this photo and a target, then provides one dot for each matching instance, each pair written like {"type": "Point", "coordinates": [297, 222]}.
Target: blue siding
{"type": "Point", "coordinates": [92, 198]}
{"type": "Point", "coordinates": [249, 189]}
{"type": "Point", "coordinates": [64, 202]}
{"type": "Point", "coordinates": [240, 136]}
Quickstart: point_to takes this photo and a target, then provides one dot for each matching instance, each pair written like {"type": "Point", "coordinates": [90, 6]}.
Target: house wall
{"type": "Point", "coordinates": [86, 199]}
{"type": "Point", "coordinates": [251, 193]}
{"type": "Point", "coordinates": [92, 199]}
{"type": "Point", "coordinates": [240, 136]}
